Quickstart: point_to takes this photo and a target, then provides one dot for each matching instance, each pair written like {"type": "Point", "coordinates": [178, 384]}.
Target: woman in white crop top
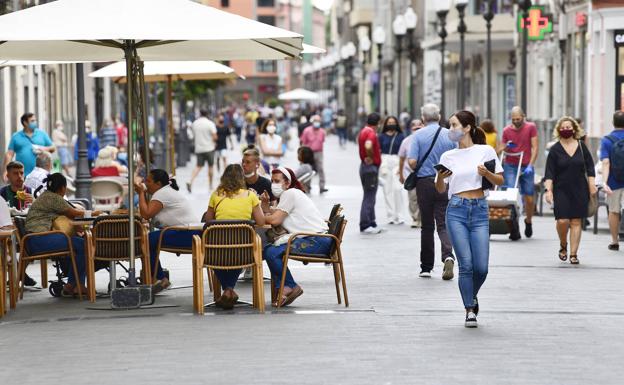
{"type": "Point", "coordinates": [467, 219]}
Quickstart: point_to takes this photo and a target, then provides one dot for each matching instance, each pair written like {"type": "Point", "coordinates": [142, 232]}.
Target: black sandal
{"type": "Point", "coordinates": [614, 246]}
{"type": "Point", "coordinates": [574, 260]}
{"type": "Point", "coordinates": [564, 250]}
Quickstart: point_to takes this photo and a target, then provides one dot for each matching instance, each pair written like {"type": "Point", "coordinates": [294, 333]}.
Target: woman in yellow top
{"type": "Point", "coordinates": [490, 132]}
{"type": "Point", "coordinates": [232, 201]}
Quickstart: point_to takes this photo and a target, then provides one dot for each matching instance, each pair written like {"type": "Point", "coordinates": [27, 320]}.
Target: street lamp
{"type": "Point", "coordinates": [442, 10]}
{"type": "Point", "coordinates": [524, 6]}
{"type": "Point", "coordinates": [411, 20]}
{"type": "Point", "coordinates": [379, 38]}
{"type": "Point", "coordinates": [488, 16]}
{"type": "Point", "coordinates": [346, 53]}
{"type": "Point", "coordinates": [365, 46]}
{"type": "Point", "coordinates": [461, 5]}
{"type": "Point", "coordinates": [400, 29]}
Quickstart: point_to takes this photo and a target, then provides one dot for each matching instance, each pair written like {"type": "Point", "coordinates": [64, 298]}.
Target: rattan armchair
{"type": "Point", "coordinates": [227, 245]}
{"type": "Point", "coordinates": [108, 241]}
{"type": "Point", "coordinates": [336, 231]}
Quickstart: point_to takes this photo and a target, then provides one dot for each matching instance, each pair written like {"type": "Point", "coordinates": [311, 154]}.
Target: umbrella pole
{"type": "Point", "coordinates": [130, 56]}
{"type": "Point", "coordinates": [143, 109]}
{"type": "Point", "coordinates": [170, 125]}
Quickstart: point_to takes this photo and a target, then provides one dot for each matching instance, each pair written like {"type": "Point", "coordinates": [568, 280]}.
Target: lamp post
{"type": "Point", "coordinates": [83, 174]}
{"type": "Point", "coordinates": [524, 6]}
{"type": "Point", "coordinates": [442, 10]}
{"type": "Point", "coordinates": [400, 29]}
{"type": "Point", "coordinates": [347, 52]}
{"type": "Point", "coordinates": [379, 38]}
{"type": "Point", "coordinates": [488, 16]}
{"type": "Point", "coordinates": [411, 20]}
{"type": "Point", "coordinates": [365, 46]}
{"type": "Point", "coordinates": [461, 5]}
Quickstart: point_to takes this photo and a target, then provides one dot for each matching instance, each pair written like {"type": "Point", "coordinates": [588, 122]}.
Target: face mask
{"type": "Point", "coordinates": [392, 127]}
{"type": "Point", "coordinates": [456, 135]}
{"type": "Point", "coordinates": [32, 125]}
{"type": "Point", "coordinates": [271, 129]}
{"type": "Point", "coordinates": [565, 134]}
{"type": "Point", "coordinates": [518, 124]}
{"type": "Point", "coordinates": [277, 189]}
{"type": "Point", "coordinates": [250, 175]}
{"type": "Point", "coordinates": [317, 124]}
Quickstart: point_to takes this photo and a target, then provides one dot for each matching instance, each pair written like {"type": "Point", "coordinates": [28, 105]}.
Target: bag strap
{"type": "Point", "coordinates": [433, 142]}
{"type": "Point", "coordinates": [584, 165]}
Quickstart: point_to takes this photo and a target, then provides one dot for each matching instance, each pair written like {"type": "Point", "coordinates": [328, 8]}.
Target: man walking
{"type": "Point", "coordinates": [428, 145]}
{"type": "Point", "coordinates": [27, 143]}
{"type": "Point", "coordinates": [205, 134]}
{"type": "Point", "coordinates": [370, 155]}
{"type": "Point", "coordinates": [521, 137]}
{"type": "Point", "coordinates": [405, 170]}
{"type": "Point", "coordinates": [314, 137]}
{"type": "Point", "coordinates": [612, 156]}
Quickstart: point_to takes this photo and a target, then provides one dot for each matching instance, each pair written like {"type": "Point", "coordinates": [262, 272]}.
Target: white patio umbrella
{"type": "Point", "coordinates": [299, 94]}
{"type": "Point", "coordinates": [137, 30]}
{"type": "Point", "coordinates": [167, 71]}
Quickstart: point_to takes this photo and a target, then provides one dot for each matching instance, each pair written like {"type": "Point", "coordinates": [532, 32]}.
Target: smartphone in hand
{"type": "Point", "coordinates": [442, 168]}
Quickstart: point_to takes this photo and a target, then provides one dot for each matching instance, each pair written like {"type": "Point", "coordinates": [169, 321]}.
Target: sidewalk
{"type": "Point", "coordinates": [541, 321]}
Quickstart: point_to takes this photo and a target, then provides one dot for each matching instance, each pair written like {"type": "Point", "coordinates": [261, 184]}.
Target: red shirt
{"type": "Point", "coordinates": [104, 171]}
{"type": "Point", "coordinates": [522, 138]}
{"type": "Point", "coordinates": [369, 133]}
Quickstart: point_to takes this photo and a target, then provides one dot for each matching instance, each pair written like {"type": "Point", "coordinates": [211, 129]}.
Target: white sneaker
{"type": "Point", "coordinates": [416, 225]}
{"type": "Point", "coordinates": [371, 230]}
{"type": "Point", "coordinates": [399, 221]}
{"type": "Point", "coordinates": [425, 274]}
{"type": "Point", "coordinates": [471, 320]}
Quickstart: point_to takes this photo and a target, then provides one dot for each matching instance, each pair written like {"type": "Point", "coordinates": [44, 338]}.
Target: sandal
{"type": "Point", "coordinates": [574, 260]}
{"type": "Point", "coordinates": [228, 302]}
{"type": "Point", "coordinates": [160, 286]}
{"type": "Point", "coordinates": [292, 296]}
{"type": "Point", "coordinates": [614, 246]}
{"type": "Point", "coordinates": [563, 252]}
{"type": "Point", "coordinates": [71, 291]}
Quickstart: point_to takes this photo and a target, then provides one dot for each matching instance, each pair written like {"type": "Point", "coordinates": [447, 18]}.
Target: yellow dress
{"type": "Point", "coordinates": [490, 139]}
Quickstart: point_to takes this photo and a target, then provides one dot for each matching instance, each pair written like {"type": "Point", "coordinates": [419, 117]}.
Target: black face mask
{"type": "Point", "coordinates": [392, 127]}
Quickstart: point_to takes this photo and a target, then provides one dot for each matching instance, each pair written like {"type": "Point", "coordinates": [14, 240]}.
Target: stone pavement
{"type": "Point", "coordinates": [542, 322]}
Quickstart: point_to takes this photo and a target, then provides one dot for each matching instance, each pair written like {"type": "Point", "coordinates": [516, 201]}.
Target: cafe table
{"type": "Point", "coordinates": [8, 242]}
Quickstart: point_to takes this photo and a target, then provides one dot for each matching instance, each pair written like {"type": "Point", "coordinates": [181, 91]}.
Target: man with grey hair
{"type": "Point", "coordinates": [43, 165]}
{"type": "Point", "coordinates": [314, 137]}
{"type": "Point", "coordinates": [428, 145]}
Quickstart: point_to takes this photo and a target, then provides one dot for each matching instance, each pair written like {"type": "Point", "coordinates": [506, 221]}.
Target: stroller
{"type": "Point", "coordinates": [504, 206]}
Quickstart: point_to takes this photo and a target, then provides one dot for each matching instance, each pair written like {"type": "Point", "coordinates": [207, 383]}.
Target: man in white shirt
{"type": "Point", "coordinates": [43, 165]}
{"type": "Point", "coordinates": [205, 134]}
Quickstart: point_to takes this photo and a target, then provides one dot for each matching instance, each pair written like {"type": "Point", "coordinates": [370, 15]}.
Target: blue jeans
{"type": "Point", "coordinates": [273, 255]}
{"type": "Point", "coordinates": [526, 183]}
{"type": "Point", "coordinates": [172, 238]}
{"type": "Point", "coordinates": [467, 223]}
{"type": "Point", "coordinates": [369, 176]}
{"type": "Point", "coordinates": [58, 242]}
{"type": "Point", "coordinates": [342, 135]}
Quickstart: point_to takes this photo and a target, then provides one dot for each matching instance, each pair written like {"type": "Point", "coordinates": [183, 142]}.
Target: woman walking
{"type": "Point", "coordinates": [569, 182]}
{"type": "Point", "coordinates": [467, 220]}
{"type": "Point", "coordinates": [390, 141]}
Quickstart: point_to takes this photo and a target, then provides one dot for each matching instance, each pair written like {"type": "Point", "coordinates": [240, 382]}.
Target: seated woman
{"type": "Point", "coordinates": [306, 166]}
{"type": "Point", "coordinates": [168, 207]}
{"type": "Point", "coordinates": [44, 211]}
{"type": "Point", "coordinates": [297, 214]}
{"type": "Point", "coordinates": [106, 165]}
{"type": "Point", "coordinates": [232, 201]}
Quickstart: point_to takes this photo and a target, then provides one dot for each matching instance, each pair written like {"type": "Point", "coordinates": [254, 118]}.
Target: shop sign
{"type": "Point", "coordinates": [618, 37]}
{"type": "Point", "coordinates": [538, 24]}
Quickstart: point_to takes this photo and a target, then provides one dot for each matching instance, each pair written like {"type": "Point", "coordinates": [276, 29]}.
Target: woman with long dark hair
{"type": "Point", "coordinates": [271, 143]}
{"type": "Point", "coordinates": [467, 217]}
{"type": "Point", "coordinates": [390, 140]}
{"type": "Point", "coordinates": [169, 207]}
{"type": "Point", "coordinates": [296, 213]}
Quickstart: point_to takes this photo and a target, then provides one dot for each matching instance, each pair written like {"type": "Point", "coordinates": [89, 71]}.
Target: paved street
{"type": "Point", "coordinates": [541, 321]}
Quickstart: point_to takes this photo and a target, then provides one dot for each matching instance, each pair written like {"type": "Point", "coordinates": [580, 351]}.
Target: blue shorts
{"type": "Point", "coordinates": [64, 156]}
{"type": "Point", "coordinates": [526, 182]}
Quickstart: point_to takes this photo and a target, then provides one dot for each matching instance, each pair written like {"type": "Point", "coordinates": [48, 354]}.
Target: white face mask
{"type": "Point", "coordinates": [277, 189]}
{"type": "Point", "coordinates": [271, 129]}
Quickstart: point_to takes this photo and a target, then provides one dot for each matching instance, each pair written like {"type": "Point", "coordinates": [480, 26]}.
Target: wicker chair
{"type": "Point", "coordinates": [335, 211]}
{"type": "Point", "coordinates": [336, 231]}
{"type": "Point", "coordinates": [5, 244]}
{"type": "Point", "coordinates": [227, 245]}
{"type": "Point", "coordinates": [25, 256]}
{"type": "Point", "coordinates": [108, 241]}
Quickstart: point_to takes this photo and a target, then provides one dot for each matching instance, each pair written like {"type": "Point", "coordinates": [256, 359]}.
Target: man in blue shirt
{"type": "Point", "coordinates": [432, 203]}
{"type": "Point", "coordinates": [26, 144]}
{"type": "Point", "coordinates": [612, 156]}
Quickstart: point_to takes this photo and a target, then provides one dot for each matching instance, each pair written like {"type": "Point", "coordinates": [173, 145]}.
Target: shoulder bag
{"type": "Point", "coordinates": [592, 205]}
{"type": "Point", "coordinates": [410, 182]}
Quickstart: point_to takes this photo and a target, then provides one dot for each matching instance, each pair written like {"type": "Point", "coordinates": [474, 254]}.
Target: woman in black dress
{"type": "Point", "coordinates": [569, 182]}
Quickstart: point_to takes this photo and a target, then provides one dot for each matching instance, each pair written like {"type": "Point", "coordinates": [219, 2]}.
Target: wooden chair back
{"type": "Point", "coordinates": [111, 235]}
{"type": "Point", "coordinates": [336, 210]}
{"type": "Point", "coordinates": [229, 245]}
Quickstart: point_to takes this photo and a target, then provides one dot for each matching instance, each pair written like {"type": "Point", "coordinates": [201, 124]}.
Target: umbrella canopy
{"type": "Point", "coordinates": [299, 94]}
{"type": "Point", "coordinates": [94, 30]}
{"type": "Point", "coordinates": [160, 71]}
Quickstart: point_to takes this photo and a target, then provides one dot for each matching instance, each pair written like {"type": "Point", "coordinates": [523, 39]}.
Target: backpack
{"type": "Point", "coordinates": [616, 159]}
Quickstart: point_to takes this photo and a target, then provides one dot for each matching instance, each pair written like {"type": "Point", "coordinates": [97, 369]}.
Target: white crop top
{"type": "Point", "coordinates": [463, 162]}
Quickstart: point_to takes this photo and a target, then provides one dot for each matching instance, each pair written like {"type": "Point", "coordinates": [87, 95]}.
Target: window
{"type": "Point", "coordinates": [266, 66]}
{"type": "Point", "coordinates": [266, 3]}
{"type": "Point", "coordinates": [225, 3]}
{"type": "Point", "coordinates": [270, 20]}
{"type": "Point", "coordinates": [498, 6]}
